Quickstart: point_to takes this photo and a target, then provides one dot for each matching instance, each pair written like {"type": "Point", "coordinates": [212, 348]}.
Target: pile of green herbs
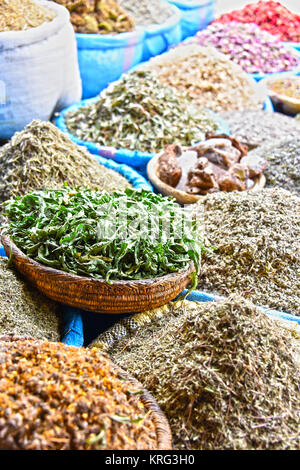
{"type": "Point", "coordinates": [284, 163]}
{"type": "Point", "coordinates": [139, 113]}
{"type": "Point", "coordinates": [123, 235]}
{"type": "Point", "coordinates": [225, 374]}
{"type": "Point", "coordinates": [41, 156]}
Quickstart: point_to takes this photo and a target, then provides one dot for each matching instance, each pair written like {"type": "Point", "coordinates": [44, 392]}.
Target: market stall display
{"type": "Point", "coordinates": [195, 15]}
{"type": "Point", "coordinates": [208, 77]}
{"type": "Point", "coordinates": [55, 406]}
{"type": "Point", "coordinates": [256, 51]}
{"type": "Point", "coordinates": [42, 156]}
{"type": "Point", "coordinates": [98, 16]}
{"type": "Point", "coordinates": [220, 163]}
{"type": "Point", "coordinates": [255, 128]}
{"type": "Point", "coordinates": [256, 254]}
{"type": "Point", "coordinates": [139, 113]}
{"type": "Point", "coordinates": [284, 93]}
{"type": "Point", "coordinates": [218, 371]}
{"type": "Point", "coordinates": [24, 310]}
{"type": "Point", "coordinates": [39, 72]}
{"type": "Point", "coordinates": [269, 16]}
{"type": "Point", "coordinates": [283, 164]}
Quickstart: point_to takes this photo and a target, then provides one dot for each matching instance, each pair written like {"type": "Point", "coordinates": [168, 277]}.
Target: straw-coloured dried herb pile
{"type": "Point", "coordinates": [24, 310]}
{"type": "Point", "coordinates": [257, 247]}
{"type": "Point", "coordinates": [58, 397]}
{"type": "Point", "coordinates": [224, 373]}
{"type": "Point", "coordinates": [21, 15]}
{"type": "Point", "coordinates": [41, 156]}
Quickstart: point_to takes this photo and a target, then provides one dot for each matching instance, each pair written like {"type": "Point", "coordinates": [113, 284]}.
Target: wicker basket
{"type": "Point", "coordinates": [163, 431]}
{"type": "Point", "coordinates": [181, 196]}
{"type": "Point", "coordinates": [96, 295]}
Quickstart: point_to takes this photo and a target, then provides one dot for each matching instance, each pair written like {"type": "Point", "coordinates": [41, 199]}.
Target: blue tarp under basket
{"type": "Point", "coordinates": [103, 58]}
{"type": "Point", "coordinates": [195, 16]}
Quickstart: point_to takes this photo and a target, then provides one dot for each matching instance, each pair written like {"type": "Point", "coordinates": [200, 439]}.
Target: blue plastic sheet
{"type": "Point", "coordinates": [195, 16]}
{"type": "Point", "coordinates": [103, 58]}
{"type": "Point", "coordinates": [159, 37]}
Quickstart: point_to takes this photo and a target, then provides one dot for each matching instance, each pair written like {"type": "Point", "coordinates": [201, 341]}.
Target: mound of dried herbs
{"type": "Point", "coordinates": [58, 397]}
{"type": "Point", "coordinates": [256, 247]}
{"type": "Point", "coordinates": [259, 127]}
{"type": "Point", "coordinates": [139, 113]}
{"type": "Point", "coordinates": [224, 373]}
{"type": "Point", "coordinates": [284, 164]}
{"type": "Point", "coordinates": [21, 15]}
{"type": "Point", "coordinates": [41, 156]}
{"type": "Point", "coordinates": [131, 235]}
{"type": "Point", "coordinates": [24, 310]}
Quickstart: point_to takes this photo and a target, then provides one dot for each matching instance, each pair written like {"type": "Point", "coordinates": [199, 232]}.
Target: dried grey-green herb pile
{"type": "Point", "coordinates": [24, 310]}
{"type": "Point", "coordinates": [41, 156]}
{"type": "Point", "coordinates": [284, 164]}
{"type": "Point", "coordinates": [258, 127]}
{"type": "Point", "coordinates": [139, 113]}
{"type": "Point", "coordinates": [225, 374]}
{"type": "Point", "coordinates": [257, 247]}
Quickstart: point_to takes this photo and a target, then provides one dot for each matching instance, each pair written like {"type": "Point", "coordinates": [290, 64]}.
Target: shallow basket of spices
{"type": "Point", "coordinates": [97, 295]}
{"type": "Point", "coordinates": [110, 388]}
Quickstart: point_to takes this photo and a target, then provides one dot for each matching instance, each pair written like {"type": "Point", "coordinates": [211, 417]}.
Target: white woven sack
{"type": "Point", "coordinates": [39, 72]}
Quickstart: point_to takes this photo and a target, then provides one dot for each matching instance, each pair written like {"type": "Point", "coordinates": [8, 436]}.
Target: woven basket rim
{"type": "Point", "coordinates": [162, 427]}
{"type": "Point", "coordinates": [9, 244]}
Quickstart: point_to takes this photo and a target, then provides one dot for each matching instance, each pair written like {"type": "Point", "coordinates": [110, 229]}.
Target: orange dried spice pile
{"type": "Point", "coordinates": [58, 397]}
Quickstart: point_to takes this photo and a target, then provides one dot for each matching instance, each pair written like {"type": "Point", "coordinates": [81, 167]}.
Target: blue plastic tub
{"type": "Point", "coordinates": [159, 37]}
{"type": "Point", "coordinates": [104, 57]}
{"type": "Point", "coordinates": [195, 15]}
